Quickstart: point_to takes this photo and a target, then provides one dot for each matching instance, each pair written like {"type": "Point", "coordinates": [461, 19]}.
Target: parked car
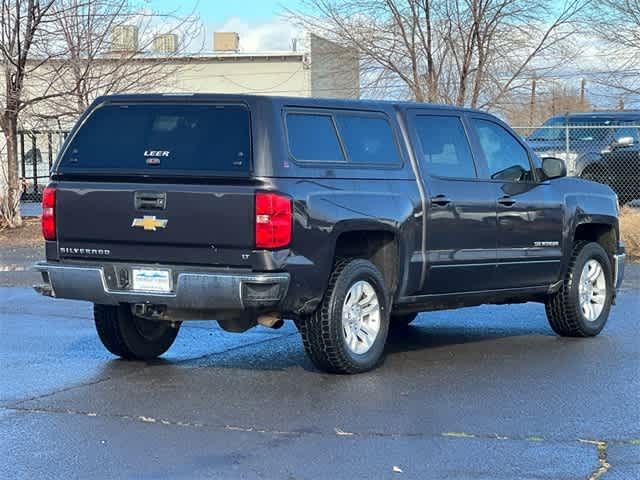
{"type": "Point", "coordinates": [348, 217]}
{"type": "Point", "coordinates": [620, 166]}
{"type": "Point", "coordinates": [598, 146]}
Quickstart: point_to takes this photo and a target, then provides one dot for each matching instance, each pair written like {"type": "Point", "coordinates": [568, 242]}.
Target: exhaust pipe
{"type": "Point", "coordinates": [44, 289]}
{"type": "Point", "coordinates": [271, 320]}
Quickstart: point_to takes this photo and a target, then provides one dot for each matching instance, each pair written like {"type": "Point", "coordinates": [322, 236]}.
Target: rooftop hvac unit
{"type": "Point", "coordinates": [124, 38]}
{"type": "Point", "coordinates": [165, 43]}
{"type": "Point", "coordinates": [226, 42]}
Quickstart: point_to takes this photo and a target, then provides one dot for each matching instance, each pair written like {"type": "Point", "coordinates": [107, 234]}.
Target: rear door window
{"type": "Point", "coordinates": [445, 148]}
{"type": "Point", "coordinates": [313, 138]}
{"type": "Point", "coordinates": [368, 139]}
{"type": "Point", "coordinates": [162, 139]}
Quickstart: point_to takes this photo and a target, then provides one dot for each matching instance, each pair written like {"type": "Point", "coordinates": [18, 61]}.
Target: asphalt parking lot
{"type": "Point", "coordinates": [482, 393]}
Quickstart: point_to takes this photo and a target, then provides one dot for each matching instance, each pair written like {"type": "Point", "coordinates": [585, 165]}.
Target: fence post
{"type": "Point", "coordinates": [34, 159]}
{"type": "Point", "coordinates": [22, 162]}
{"type": "Point", "coordinates": [566, 138]}
{"type": "Point", "coordinates": [50, 149]}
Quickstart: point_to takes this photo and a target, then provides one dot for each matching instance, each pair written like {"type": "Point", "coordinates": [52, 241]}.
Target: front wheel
{"type": "Point", "coordinates": [131, 337]}
{"type": "Point", "coordinates": [581, 307]}
{"type": "Point", "coordinates": [348, 331]}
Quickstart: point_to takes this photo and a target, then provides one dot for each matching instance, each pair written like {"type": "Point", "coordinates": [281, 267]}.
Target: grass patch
{"type": "Point", "coordinates": [630, 230]}
{"type": "Point", "coordinates": [28, 235]}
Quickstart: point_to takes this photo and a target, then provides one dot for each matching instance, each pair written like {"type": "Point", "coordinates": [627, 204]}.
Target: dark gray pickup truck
{"type": "Point", "coordinates": [348, 217]}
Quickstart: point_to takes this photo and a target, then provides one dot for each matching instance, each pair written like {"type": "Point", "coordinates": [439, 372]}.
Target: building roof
{"type": "Point", "coordinates": [218, 55]}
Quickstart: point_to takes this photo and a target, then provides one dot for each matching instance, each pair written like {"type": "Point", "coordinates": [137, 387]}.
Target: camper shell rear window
{"type": "Point", "coordinates": [162, 139]}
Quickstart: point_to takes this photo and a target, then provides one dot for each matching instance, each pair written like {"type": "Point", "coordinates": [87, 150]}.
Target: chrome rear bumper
{"type": "Point", "coordinates": [192, 290]}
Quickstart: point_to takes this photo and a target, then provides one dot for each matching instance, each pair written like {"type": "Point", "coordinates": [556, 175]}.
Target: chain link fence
{"type": "Point", "coordinates": [608, 154]}
{"type": "Point", "coordinates": [37, 150]}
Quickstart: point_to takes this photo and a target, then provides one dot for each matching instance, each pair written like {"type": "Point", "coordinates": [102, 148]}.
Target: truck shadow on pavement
{"type": "Point", "coordinates": [278, 353]}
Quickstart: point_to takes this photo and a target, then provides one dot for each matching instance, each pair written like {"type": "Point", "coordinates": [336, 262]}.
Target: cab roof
{"type": "Point", "coordinates": [279, 100]}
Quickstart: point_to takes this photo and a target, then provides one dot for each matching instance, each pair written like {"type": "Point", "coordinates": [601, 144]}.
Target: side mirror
{"type": "Point", "coordinates": [623, 142]}
{"type": "Point", "coordinates": [554, 167]}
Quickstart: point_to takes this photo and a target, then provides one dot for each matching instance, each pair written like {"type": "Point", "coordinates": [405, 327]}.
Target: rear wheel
{"type": "Point", "coordinates": [581, 307]}
{"type": "Point", "coordinates": [131, 337]}
{"type": "Point", "coordinates": [348, 331]}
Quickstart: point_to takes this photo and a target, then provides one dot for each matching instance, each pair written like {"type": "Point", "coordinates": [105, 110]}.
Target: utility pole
{"type": "Point", "coordinates": [532, 102]}
{"type": "Point", "coordinates": [621, 104]}
{"type": "Point", "coordinates": [583, 84]}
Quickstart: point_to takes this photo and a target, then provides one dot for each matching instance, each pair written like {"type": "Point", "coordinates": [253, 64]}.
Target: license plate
{"type": "Point", "coordinates": [147, 280]}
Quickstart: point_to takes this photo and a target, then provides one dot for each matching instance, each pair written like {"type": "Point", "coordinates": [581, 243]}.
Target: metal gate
{"type": "Point", "coordinates": [37, 149]}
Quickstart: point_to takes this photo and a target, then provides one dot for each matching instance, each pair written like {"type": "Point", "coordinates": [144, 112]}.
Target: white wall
{"type": "Point", "coordinates": [287, 75]}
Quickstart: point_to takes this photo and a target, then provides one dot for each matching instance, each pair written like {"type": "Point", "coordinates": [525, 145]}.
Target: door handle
{"type": "Point", "coordinates": [507, 201]}
{"type": "Point", "coordinates": [440, 200]}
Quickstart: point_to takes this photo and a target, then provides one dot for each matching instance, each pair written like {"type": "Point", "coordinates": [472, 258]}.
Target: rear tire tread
{"type": "Point", "coordinates": [319, 332]}
{"type": "Point", "coordinates": [115, 328]}
{"type": "Point", "coordinates": [107, 325]}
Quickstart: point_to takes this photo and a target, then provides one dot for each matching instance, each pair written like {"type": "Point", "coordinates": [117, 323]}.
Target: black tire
{"type": "Point", "coordinates": [563, 307]}
{"type": "Point", "coordinates": [131, 337]}
{"type": "Point", "coordinates": [322, 331]}
{"type": "Point", "coordinates": [398, 322]}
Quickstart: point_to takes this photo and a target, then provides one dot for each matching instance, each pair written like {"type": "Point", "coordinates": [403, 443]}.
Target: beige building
{"type": "Point", "coordinates": [323, 69]}
{"type": "Point", "coordinates": [320, 69]}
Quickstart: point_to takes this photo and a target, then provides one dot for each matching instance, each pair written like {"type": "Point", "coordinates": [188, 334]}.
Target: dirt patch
{"type": "Point", "coordinates": [630, 230]}
{"type": "Point", "coordinates": [29, 235]}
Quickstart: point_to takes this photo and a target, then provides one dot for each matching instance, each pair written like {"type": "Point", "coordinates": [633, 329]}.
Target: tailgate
{"type": "Point", "coordinates": [165, 181]}
{"type": "Point", "coordinates": [198, 224]}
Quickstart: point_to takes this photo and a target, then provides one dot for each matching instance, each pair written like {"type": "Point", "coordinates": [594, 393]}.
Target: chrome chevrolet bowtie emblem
{"type": "Point", "coordinates": [149, 222]}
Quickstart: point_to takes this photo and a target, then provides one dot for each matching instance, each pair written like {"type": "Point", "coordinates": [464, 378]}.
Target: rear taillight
{"type": "Point", "coordinates": [273, 220]}
{"type": "Point", "coordinates": [49, 213]}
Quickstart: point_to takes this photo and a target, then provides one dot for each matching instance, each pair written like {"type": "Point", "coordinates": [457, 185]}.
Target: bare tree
{"type": "Point", "coordinates": [465, 52]}
{"type": "Point", "coordinates": [24, 27]}
{"type": "Point", "coordinates": [616, 24]}
{"type": "Point", "coordinates": [98, 65]}
{"type": "Point", "coordinates": [551, 99]}
{"type": "Point", "coordinates": [58, 55]}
